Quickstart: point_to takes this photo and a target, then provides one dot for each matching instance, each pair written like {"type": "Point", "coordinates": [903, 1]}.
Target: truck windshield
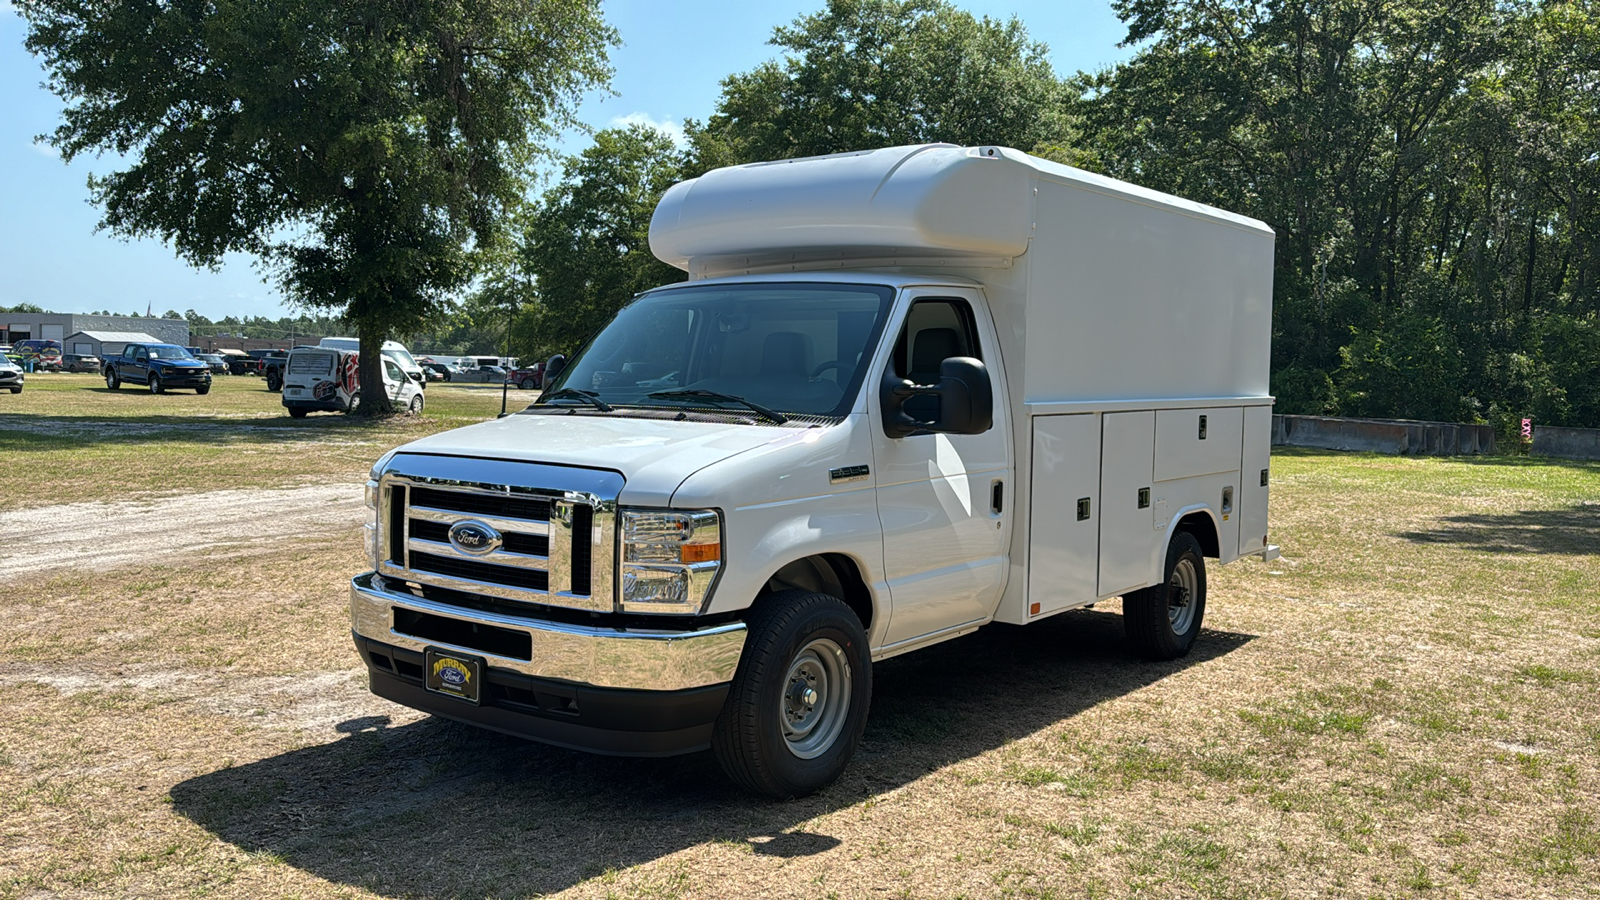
{"type": "Point", "coordinates": [168, 351]}
{"type": "Point", "coordinates": [794, 348]}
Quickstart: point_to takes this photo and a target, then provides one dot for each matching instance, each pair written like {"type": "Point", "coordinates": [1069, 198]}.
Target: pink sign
{"type": "Point", "coordinates": [1527, 428]}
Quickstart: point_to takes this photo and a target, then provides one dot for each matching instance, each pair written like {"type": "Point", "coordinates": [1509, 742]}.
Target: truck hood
{"type": "Point", "coordinates": [654, 455]}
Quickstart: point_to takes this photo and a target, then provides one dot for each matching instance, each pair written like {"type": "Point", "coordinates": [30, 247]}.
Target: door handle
{"type": "Point", "coordinates": [997, 496]}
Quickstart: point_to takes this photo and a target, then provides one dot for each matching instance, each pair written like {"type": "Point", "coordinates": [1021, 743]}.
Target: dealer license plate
{"type": "Point", "coordinates": [453, 674]}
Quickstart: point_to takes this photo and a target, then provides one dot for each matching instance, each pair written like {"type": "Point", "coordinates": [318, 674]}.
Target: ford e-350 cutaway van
{"type": "Point", "coordinates": [905, 393]}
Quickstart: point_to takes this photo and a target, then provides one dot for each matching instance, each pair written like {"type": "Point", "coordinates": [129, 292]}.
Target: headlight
{"type": "Point", "coordinates": [669, 559]}
{"type": "Point", "coordinates": [369, 531]}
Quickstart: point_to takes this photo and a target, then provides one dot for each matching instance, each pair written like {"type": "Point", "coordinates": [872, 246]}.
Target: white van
{"type": "Point", "coordinates": [392, 349]}
{"type": "Point", "coordinates": [905, 393]}
{"type": "Point", "coordinates": [328, 379]}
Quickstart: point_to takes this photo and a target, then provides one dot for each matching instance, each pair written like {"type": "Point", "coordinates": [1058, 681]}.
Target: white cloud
{"type": "Point", "coordinates": [667, 127]}
{"type": "Point", "coordinates": [43, 149]}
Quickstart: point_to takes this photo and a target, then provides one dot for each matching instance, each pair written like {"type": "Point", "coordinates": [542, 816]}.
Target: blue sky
{"type": "Point", "coordinates": [668, 69]}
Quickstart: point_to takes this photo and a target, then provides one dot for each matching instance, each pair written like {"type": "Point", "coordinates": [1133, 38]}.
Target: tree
{"type": "Point", "coordinates": [863, 74]}
{"type": "Point", "coordinates": [587, 244]}
{"type": "Point", "coordinates": [364, 150]}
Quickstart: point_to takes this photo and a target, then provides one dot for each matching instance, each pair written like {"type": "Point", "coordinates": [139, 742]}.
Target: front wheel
{"type": "Point", "coordinates": [203, 389]}
{"type": "Point", "coordinates": [415, 407]}
{"type": "Point", "coordinates": [112, 380]}
{"type": "Point", "coordinates": [1161, 621]}
{"type": "Point", "coordinates": [154, 383]}
{"type": "Point", "coordinates": [798, 703]}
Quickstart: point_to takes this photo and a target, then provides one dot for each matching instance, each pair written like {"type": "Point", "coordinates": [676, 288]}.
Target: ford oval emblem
{"type": "Point", "coordinates": [474, 537]}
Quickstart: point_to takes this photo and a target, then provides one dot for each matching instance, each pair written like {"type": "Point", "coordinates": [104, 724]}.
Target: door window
{"type": "Point", "coordinates": [936, 329]}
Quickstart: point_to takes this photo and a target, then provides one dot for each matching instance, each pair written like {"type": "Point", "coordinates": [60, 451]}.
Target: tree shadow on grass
{"type": "Point", "coordinates": [437, 809]}
{"type": "Point", "coordinates": [1574, 530]}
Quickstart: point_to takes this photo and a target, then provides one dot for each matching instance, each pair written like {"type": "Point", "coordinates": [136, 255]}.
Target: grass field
{"type": "Point", "coordinates": [1404, 705]}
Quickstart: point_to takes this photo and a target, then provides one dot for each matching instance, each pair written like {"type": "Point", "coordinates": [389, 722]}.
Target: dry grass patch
{"type": "Point", "coordinates": [1403, 706]}
{"type": "Point", "coordinates": [67, 438]}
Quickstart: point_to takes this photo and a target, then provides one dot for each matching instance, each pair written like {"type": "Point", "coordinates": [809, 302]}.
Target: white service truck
{"type": "Point", "coordinates": [905, 393]}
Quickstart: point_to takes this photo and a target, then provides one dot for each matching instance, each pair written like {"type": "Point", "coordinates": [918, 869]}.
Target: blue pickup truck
{"type": "Point", "coordinates": [158, 367]}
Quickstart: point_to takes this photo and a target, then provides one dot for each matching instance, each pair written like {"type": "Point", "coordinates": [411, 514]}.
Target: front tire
{"type": "Point", "coordinates": [154, 383]}
{"type": "Point", "coordinates": [113, 381]}
{"type": "Point", "coordinates": [415, 407]}
{"type": "Point", "coordinates": [1162, 621]}
{"type": "Point", "coordinates": [203, 390]}
{"type": "Point", "coordinates": [798, 703]}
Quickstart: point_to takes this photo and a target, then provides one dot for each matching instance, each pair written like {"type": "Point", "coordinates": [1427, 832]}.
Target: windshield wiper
{"type": "Point", "coordinates": [589, 397]}
{"type": "Point", "coordinates": [777, 418]}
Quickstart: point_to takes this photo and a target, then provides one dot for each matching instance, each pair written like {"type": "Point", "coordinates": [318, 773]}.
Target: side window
{"type": "Point", "coordinates": [140, 355]}
{"type": "Point", "coordinates": [394, 373]}
{"type": "Point", "coordinates": [935, 330]}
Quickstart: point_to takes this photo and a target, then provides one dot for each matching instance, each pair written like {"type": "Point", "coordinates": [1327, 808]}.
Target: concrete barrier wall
{"type": "Point", "coordinates": [1397, 436]}
{"type": "Point", "coordinates": [1566, 443]}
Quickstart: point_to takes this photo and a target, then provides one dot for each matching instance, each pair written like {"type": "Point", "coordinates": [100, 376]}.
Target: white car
{"type": "Point", "coordinates": [11, 375]}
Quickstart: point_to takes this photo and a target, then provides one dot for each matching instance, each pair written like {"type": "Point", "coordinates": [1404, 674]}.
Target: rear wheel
{"type": "Point", "coordinates": [274, 379]}
{"type": "Point", "coordinates": [112, 380]}
{"type": "Point", "coordinates": [1161, 621]}
{"type": "Point", "coordinates": [295, 413]}
{"type": "Point", "coordinates": [528, 384]}
{"type": "Point", "coordinates": [798, 703]}
{"type": "Point", "coordinates": [154, 383]}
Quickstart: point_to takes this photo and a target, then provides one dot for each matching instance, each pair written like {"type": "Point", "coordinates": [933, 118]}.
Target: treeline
{"type": "Point", "coordinates": [1432, 170]}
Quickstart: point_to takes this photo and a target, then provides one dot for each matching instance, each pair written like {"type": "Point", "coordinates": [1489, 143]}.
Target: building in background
{"type": "Point", "coordinates": [106, 344]}
{"type": "Point", "coordinates": [18, 326]}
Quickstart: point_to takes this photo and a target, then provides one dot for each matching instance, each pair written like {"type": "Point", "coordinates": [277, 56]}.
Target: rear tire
{"type": "Point", "coordinates": [113, 381]}
{"type": "Point", "coordinates": [528, 384]}
{"type": "Point", "coordinates": [798, 703]}
{"type": "Point", "coordinates": [274, 379]}
{"type": "Point", "coordinates": [296, 413]}
{"type": "Point", "coordinates": [1162, 621]}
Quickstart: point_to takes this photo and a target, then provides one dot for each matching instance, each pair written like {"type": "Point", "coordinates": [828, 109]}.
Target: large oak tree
{"type": "Point", "coordinates": [364, 150]}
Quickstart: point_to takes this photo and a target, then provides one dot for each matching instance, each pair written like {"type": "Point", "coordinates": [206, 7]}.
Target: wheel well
{"type": "Point", "coordinates": [1204, 530]}
{"type": "Point", "coordinates": [827, 573]}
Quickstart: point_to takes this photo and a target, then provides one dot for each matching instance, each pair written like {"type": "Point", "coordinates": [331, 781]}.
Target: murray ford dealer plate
{"type": "Point", "coordinates": [453, 674]}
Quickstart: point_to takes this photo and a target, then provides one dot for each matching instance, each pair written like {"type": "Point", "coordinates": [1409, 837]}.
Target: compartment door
{"type": "Point", "coordinates": [1253, 478]}
{"type": "Point", "coordinates": [1127, 535]}
{"type": "Point", "coordinates": [1064, 515]}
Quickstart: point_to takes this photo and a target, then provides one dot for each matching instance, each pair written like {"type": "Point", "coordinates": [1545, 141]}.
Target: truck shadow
{"type": "Point", "coordinates": [435, 809]}
{"type": "Point", "coordinates": [1574, 530]}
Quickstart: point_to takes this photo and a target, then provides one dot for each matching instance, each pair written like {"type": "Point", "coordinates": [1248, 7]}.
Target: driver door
{"type": "Point", "coordinates": [141, 366]}
{"type": "Point", "coordinates": [943, 499]}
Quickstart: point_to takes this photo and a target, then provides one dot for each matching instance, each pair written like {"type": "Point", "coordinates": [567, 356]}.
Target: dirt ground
{"type": "Point", "coordinates": [100, 536]}
{"type": "Point", "coordinates": [1405, 705]}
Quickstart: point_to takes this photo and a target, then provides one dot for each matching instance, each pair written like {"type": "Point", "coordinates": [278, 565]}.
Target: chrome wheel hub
{"type": "Point", "coordinates": [1181, 589]}
{"type": "Point", "coordinates": [816, 698]}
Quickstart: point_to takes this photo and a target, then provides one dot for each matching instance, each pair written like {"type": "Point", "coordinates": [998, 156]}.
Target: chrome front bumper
{"type": "Point", "coordinates": [654, 660]}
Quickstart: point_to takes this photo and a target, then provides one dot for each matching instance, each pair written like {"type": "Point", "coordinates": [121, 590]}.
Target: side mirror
{"type": "Point", "coordinates": [552, 368]}
{"type": "Point", "coordinates": [966, 400]}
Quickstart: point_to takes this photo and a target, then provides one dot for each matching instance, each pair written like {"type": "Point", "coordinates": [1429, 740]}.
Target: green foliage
{"type": "Point", "coordinates": [587, 244]}
{"type": "Point", "coordinates": [863, 74]}
{"type": "Point", "coordinates": [366, 150]}
{"type": "Point", "coordinates": [1429, 169]}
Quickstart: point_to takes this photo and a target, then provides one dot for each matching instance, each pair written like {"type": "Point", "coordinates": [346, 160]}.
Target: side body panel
{"type": "Point", "coordinates": [1062, 546]}
{"type": "Point", "coordinates": [1197, 441]}
{"type": "Point", "coordinates": [1127, 537]}
{"type": "Point", "coordinates": [1254, 477]}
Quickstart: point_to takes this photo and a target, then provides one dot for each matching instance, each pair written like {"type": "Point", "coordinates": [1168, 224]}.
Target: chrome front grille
{"type": "Point", "coordinates": [554, 529]}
